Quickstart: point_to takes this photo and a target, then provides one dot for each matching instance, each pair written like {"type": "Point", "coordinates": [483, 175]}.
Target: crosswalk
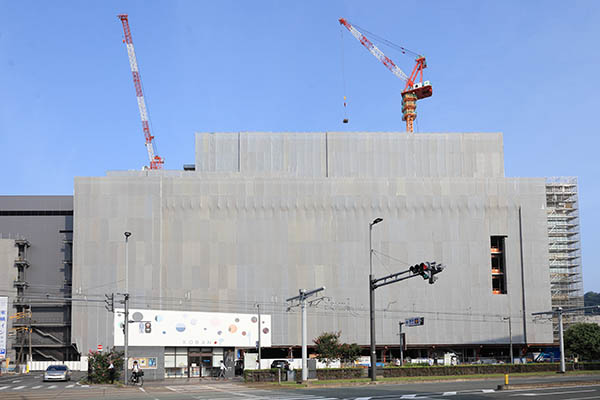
{"type": "Point", "coordinates": [233, 391]}
{"type": "Point", "coordinates": [7, 388]}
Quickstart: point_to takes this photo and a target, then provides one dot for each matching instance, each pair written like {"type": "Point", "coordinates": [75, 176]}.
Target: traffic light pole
{"type": "Point", "coordinates": [126, 338]}
{"type": "Point", "coordinates": [259, 328]}
{"type": "Point", "coordinates": [426, 270]}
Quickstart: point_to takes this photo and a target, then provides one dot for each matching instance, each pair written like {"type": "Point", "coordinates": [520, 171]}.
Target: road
{"type": "Point", "coordinates": [31, 387]}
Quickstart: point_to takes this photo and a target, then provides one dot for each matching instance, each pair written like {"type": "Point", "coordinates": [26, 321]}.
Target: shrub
{"type": "Point", "coordinates": [98, 363]}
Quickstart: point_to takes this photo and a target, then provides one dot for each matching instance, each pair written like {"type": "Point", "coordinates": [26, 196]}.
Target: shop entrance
{"type": "Point", "coordinates": [200, 362]}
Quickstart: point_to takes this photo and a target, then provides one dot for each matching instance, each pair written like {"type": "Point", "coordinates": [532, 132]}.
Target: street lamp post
{"type": "Point", "coordinates": [127, 234]}
{"type": "Point", "coordinates": [126, 304]}
{"type": "Point", "coordinates": [372, 300]}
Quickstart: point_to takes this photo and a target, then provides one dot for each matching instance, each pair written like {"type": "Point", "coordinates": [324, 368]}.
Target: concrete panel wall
{"type": "Point", "coordinates": [224, 244]}
{"type": "Point", "coordinates": [355, 154]}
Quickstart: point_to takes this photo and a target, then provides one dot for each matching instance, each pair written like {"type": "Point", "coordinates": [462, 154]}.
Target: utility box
{"type": "Point", "coordinates": [311, 364]}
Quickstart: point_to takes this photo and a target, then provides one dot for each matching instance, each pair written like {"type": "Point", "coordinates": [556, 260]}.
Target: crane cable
{"type": "Point", "coordinates": [345, 120]}
{"type": "Point", "coordinates": [386, 42]}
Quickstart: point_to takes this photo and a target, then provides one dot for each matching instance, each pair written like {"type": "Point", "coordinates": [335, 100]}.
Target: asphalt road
{"type": "Point", "coordinates": [31, 387]}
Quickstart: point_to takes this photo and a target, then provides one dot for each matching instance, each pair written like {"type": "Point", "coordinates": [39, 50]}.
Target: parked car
{"type": "Point", "coordinates": [57, 373]}
{"type": "Point", "coordinates": [283, 364]}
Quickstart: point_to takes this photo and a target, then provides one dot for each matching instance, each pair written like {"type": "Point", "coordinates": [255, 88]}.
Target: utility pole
{"type": "Point", "coordinates": [559, 313]}
{"type": "Point", "coordinates": [302, 300]}
{"type": "Point", "coordinates": [510, 338]}
{"type": "Point", "coordinates": [29, 329]}
{"type": "Point", "coordinates": [372, 300]}
{"type": "Point", "coordinates": [401, 343]}
{"type": "Point", "coordinates": [259, 329]}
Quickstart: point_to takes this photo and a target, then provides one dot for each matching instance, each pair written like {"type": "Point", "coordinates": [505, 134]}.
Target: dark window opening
{"type": "Point", "coordinates": [498, 263]}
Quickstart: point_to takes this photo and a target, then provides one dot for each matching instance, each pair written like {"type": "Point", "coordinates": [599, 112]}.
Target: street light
{"type": "Point", "coordinates": [126, 302]}
{"type": "Point", "coordinates": [127, 234]}
{"type": "Point", "coordinates": [372, 299]}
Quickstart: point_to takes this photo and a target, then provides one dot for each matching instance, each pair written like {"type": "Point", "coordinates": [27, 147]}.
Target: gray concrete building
{"type": "Point", "coordinates": [35, 263]}
{"type": "Point", "coordinates": [266, 214]}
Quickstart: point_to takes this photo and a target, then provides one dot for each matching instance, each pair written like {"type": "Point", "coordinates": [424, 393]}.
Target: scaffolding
{"type": "Point", "coordinates": [566, 279]}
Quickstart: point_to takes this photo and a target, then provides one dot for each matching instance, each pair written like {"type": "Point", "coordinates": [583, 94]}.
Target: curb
{"type": "Point", "coordinates": [549, 384]}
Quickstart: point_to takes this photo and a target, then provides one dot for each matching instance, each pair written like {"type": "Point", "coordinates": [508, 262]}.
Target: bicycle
{"type": "Point", "coordinates": [137, 380]}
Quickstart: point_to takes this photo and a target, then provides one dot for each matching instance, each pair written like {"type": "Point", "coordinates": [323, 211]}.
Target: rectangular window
{"type": "Point", "coordinates": [498, 261]}
{"type": "Point", "coordinates": [169, 357]}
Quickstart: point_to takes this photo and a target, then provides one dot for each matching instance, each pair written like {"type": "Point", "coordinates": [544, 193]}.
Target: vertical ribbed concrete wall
{"type": "Point", "coordinates": [8, 275]}
{"type": "Point", "coordinates": [250, 227]}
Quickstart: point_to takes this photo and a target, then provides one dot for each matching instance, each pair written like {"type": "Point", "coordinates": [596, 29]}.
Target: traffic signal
{"type": "Point", "coordinates": [109, 302]}
{"type": "Point", "coordinates": [425, 270]}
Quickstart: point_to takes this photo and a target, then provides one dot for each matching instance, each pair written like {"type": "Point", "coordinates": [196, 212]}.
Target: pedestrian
{"type": "Point", "coordinates": [111, 372]}
{"type": "Point", "coordinates": [223, 368]}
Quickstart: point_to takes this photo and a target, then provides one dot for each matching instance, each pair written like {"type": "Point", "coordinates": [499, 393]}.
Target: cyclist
{"type": "Point", "coordinates": [135, 372]}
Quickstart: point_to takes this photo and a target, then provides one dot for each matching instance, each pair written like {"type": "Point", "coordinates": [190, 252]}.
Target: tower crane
{"type": "Point", "coordinates": [413, 90]}
{"type": "Point", "coordinates": [156, 162]}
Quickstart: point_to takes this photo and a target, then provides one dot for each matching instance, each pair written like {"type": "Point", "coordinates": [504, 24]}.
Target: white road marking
{"type": "Point", "coordinates": [3, 387]}
{"type": "Point", "coordinates": [584, 398]}
{"type": "Point", "coordinates": [544, 394]}
{"type": "Point", "coordinates": [17, 381]}
{"type": "Point", "coordinates": [363, 398]}
{"type": "Point", "coordinates": [170, 388]}
{"type": "Point", "coordinates": [408, 396]}
{"type": "Point", "coordinates": [18, 387]}
{"type": "Point", "coordinates": [70, 386]}
{"type": "Point", "coordinates": [37, 387]}
{"type": "Point", "coordinates": [142, 389]}
{"type": "Point", "coordinates": [488, 390]}
{"type": "Point", "coordinates": [52, 387]}
{"type": "Point", "coordinates": [449, 394]}
{"type": "Point", "coordinates": [85, 386]}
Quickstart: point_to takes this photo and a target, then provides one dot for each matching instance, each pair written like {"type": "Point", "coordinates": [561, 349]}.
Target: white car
{"type": "Point", "coordinates": [57, 373]}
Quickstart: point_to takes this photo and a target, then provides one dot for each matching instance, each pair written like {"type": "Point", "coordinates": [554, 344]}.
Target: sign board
{"type": "Point", "coordinates": [416, 321]}
{"type": "Point", "coordinates": [143, 362]}
{"type": "Point", "coordinates": [186, 328]}
{"type": "Point", "coordinates": [3, 325]}
{"type": "Point", "coordinates": [99, 347]}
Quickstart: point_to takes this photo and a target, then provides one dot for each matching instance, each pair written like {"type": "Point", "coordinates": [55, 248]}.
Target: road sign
{"type": "Point", "coordinates": [99, 347]}
{"type": "Point", "coordinates": [416, 321]}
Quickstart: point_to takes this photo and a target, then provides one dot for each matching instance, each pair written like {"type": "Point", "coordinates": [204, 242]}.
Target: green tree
{"type": "Point", "coordinates": [98, 363]}
{"type": "Point", "coordinates": [349, 352]}
{"type": "Point", "coordinates": [328, 346]}
{"type": "Point", "coordinates": [591, 299]}
{"type": "Point", "coordinates": [583, 340]}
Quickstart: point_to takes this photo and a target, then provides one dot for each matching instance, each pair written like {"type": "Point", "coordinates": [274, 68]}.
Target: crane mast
{"type": "Point", "coordinates": [413, 90]}
{"type": "Point", "coordinates": [156, 162]}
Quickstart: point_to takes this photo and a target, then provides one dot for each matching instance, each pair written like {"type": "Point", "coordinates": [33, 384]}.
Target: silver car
{"type": "Point", "coordinates": [57, 373]}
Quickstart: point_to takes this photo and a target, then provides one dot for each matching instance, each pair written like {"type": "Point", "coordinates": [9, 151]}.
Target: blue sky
{"type": "Point", "coordinates": [528, 69]}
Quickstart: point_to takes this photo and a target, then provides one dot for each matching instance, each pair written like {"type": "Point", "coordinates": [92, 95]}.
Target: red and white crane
{"type": "Point", "coordinates": [156, 162]}
{"type": "Point", "coordinates": [413, 90]}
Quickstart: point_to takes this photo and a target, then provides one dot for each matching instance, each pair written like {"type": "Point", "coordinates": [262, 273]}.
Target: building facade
{"type": "Point", "coordinates": [35, 261]}
{"type": "Point", "coordinates": [266, 214]}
